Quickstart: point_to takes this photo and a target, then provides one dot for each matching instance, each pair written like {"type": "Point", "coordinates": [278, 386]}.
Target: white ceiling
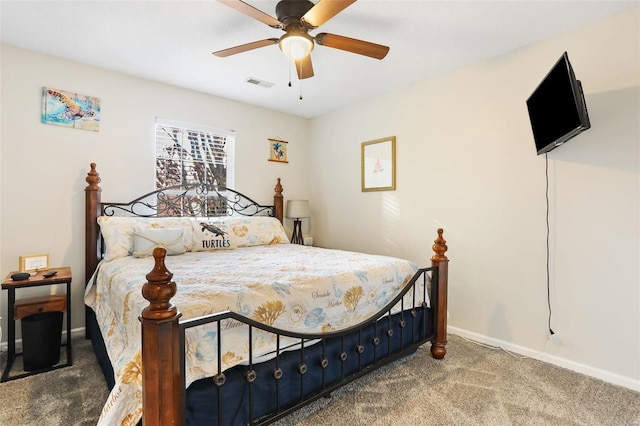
{"type": "Point", "coordinates": [172, 41]}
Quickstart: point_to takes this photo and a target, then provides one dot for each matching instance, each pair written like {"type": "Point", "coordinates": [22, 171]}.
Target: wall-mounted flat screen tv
{"type": "Point", "coordinates": [557, 109]}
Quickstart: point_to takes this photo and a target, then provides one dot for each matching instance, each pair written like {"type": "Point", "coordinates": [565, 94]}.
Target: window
{"type": "Point", "coordinates": [192, 154]}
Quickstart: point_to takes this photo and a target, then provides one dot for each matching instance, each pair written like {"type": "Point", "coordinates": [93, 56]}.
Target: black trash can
{"type": "Point", "coordinates": [41, 335]}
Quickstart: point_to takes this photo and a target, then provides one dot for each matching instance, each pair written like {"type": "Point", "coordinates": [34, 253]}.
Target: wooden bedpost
{"type": "Point", "coordinates": [278, 202]}
{"type": "Point", "coordinates": [161, 384]}
{"type": "Point", "coordinates": [92, 195]}
{"type": "Point", "coordinates": [92, 211]}
{"type": "Point", "coordinates": [439, 260]}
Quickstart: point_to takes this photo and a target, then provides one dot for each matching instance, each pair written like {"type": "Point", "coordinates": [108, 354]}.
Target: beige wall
{"type": "Point", "coordinates": [43, 167]}
{"type": "Point", "coordinates": [466, 162]}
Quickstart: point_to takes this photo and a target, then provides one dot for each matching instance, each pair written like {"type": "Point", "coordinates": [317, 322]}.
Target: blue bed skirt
{"type": "Point", "coordinates": [349, 357]}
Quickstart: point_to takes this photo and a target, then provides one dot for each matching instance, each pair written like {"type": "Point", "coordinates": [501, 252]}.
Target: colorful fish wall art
{"type": "Point", "coordinates": [70, 109]}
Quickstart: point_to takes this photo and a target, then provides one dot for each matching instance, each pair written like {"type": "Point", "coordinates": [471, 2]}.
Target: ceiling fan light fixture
{"type": "Point", "coordinates": [296, 44]}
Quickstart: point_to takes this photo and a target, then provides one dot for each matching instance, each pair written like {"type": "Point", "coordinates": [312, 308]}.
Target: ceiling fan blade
{"type": "Point", "coordinates": [304, 67]}
{"type": "Point", "coordinates": [245, 47]}
{"type": "Point", "coordinates": [251, 11]}
{"type": "Point", "coordinates": [325, 10]}
{"type": "Point", "coordinates": [352, 45]}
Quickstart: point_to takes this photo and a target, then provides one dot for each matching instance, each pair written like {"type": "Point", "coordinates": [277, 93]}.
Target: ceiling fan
{"type": "Point", "coordinates": [296, 18]}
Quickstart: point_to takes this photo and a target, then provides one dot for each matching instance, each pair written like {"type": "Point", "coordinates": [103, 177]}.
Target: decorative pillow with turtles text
{"type": "Point", "coordinates": [211, 235]}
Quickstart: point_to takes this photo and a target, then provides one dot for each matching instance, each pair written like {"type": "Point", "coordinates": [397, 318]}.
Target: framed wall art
{"type": "Point", "coordinates": [68, 109]}
{"type": "Point", "coordinates": [278, 150]}
{"type": "Point", "coordinates": [379, 165]}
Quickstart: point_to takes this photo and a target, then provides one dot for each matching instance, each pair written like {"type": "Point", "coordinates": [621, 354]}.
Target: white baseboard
{"type": "Point", "coordinates": [604, 375]}
{"type": "Point", "coordinates": [75, 332]}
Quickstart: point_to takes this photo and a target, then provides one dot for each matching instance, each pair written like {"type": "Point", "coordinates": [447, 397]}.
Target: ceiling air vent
{"type": "Point", "coordinates": [257, 82]}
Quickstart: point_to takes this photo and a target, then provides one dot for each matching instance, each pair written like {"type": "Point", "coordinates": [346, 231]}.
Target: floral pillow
{"type": "Point", "coordinates": [256, 231]}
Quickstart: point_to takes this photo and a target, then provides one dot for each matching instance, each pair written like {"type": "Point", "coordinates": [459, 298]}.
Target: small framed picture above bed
{"type": "Point", "coordinates": [278, 150]}
{"type": "Point", "coordinates": [379, 164]}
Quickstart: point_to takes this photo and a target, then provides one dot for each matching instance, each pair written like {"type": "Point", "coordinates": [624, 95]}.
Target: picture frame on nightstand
{"type": "Point", "coordinates": [34, 262]}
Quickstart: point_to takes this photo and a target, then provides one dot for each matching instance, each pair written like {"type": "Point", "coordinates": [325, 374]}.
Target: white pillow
{"type": "Point", "coordinates": [117, 232]}
{"type": "Point", "coordinates": [145, 240]}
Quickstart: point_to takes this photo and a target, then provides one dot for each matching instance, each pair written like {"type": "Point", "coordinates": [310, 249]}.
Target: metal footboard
{"type": "Point", "coordinates": [334, 360]}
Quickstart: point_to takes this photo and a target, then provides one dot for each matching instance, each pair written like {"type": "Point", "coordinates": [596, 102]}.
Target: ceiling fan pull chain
{"type": "Point", "coordinates": [300, 81]}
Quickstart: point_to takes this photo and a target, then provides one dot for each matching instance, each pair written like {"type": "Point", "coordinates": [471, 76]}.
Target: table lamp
{"type": "Point", "coordinates": [297, 209]}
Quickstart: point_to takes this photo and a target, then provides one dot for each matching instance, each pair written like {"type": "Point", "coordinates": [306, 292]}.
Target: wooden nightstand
{"type": "Point", "coordinates": [25, 307]}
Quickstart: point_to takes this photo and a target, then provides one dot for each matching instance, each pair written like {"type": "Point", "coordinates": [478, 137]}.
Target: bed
{"type": "Point", "coordinates": [200, 311]}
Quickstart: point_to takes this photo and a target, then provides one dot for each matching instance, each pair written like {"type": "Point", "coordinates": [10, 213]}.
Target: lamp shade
{"type": "Point", "coordinates": [298, 208]}
{"type": "Point", "coordinates": [296, 44]}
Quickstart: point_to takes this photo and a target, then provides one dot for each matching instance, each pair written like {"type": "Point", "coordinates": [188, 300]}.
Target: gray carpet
{"type": "Point", "coordinates": [474, 385]}
{"type": "Point", "coordinates": [67, 396]}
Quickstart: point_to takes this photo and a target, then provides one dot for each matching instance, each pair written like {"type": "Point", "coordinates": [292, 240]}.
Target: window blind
{"type": "Point", "coordinates": [191, 154]}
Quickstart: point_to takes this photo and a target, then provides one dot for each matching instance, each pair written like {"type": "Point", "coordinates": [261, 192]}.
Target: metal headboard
{"type": "Point", "coordinates": [196, 200]}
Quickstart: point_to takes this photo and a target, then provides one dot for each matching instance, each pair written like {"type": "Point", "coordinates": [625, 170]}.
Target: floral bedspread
{"type": "Point", "coordinates": [288, 286]}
